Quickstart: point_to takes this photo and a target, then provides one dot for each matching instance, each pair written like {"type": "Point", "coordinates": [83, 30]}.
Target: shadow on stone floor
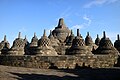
{"type": "Point", "coordinates": [83, 74]}
{"type": "Point", "coordinates": [42, 77]}
{"type": "Point", "coordinates": [96, 74]}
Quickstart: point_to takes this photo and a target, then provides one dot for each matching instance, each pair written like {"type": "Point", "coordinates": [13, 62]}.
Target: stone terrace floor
{"type": "Point", "coordinates": [20, 73]}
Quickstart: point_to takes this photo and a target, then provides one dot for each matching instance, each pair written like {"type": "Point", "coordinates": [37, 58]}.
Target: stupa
{"type": "Point", "coordinates": [44, 47]}
{"type": "Point", "coordinates": [78, 46]}
{"type": "Point", "coordinates": [89, 42]}
{"type": "Point", "coordinates": [33, 45]}
{"type": "Point", "coordinates": [106, 46]}
{"type": "Point", "coordinates": [18, 46]}
{"type": "Point", "coordinates": [53, 40]}
{"type": "Point", "coordinates": [117, 43]}
{"type": "Point", "coordinates": [97, 40]}
{"type": "Point", "coordinates": [69, 39]}
{"type": "Point", "coordinates": [61, 31]}
{"type": "Point", "coordinates": [4, 46]}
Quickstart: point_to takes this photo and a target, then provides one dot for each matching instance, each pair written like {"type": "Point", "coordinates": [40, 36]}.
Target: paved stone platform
{"type": "Point", "coordinates": [20, 73]}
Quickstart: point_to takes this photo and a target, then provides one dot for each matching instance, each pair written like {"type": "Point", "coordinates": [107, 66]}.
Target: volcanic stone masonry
{"type": "Point", "coordinates": [61, 49]}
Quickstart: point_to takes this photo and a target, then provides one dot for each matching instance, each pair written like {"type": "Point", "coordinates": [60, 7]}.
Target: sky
{"type": "Point", "coordinates": [29, 16]}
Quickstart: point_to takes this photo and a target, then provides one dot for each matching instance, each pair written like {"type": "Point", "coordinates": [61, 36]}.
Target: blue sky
{"type": "Point", "coordinates": [29, 16]}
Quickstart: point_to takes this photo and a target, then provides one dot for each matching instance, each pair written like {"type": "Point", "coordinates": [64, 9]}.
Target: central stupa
{"type": "Point", "coordinates": [61, 31]}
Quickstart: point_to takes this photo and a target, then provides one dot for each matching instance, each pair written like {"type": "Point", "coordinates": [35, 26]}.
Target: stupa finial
{"type": "Point", "coordinates": [50, 32]}
{"type": "Point", "coordinates": [19, 35]}
{"type": "Point", "coordinates": [118, 37]}
{"type": "Point", "coordinates": [34, 34]}
{"type": "Point", "coordinates": [5, 38]}
{"type": "Point", "coordinates": [104, 35]}
{"type": "Point", "coordinates": [44, 34]}
{"type": "Point", "coordinates": [87, 33]}
{"type": "Point", "coordinates": [71, 32]}
{"type": "Point", "coordinates": [25, 37]}
{"type": "Point", "coordinates": [78, 34]}
{"type": "Point", "coordinates": [97, 36]}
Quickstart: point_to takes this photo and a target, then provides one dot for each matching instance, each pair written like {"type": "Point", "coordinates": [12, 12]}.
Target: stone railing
{"type": "Point", "coordinates": [65, 61]}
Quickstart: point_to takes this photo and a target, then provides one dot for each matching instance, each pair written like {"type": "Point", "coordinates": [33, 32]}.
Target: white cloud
{"type": "Point", "coordinates": [99, 2]}
{"type": "Point", "coordinates": [112, 1]}
{"type": "Point", "coordinates": [85, 17]}
{"type": "Point", "coordinates": [78, 26]}
{"type": "Point", "coordinates": [83, 25]}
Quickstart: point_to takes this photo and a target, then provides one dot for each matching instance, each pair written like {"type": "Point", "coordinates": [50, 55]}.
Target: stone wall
{"type": "Point", "coordinates": [66, 61]}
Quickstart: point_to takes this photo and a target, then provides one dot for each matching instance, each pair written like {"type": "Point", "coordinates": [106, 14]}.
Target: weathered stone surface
{"type": "Point", "coordinates": [34, 41]}
{"type": "Point", "coordinates": [69, 39]}
{"type": "Point", "coordinates": [17, 47]}
{"type": "Point", "coordinates": [117, 43]}
{"type": "Point", "coordinates": [60, 50]}
{"type": "Point", "coordinates": [61, 31]}
{"type": "Point", "coordinates": [27, 44]}
{"type": "Point", "coordinates": [97, 40]}
{"type": "Point", "coordinates": [67, 61]}
{"type": "Point", "coordinates": [54, 42]}
{"type": "Point", "coordinates": [78, 46]}
{"type": "Point", "coordinates": [106, 47]}
{"type": "Point", "coordinates": [44, 47]}
{"type": "Point", "coordinates": [4, 46]}
{"type": "Point", "coordinates": [88, 40]}
{"type": "Point", "coordinates": [89, 43]}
